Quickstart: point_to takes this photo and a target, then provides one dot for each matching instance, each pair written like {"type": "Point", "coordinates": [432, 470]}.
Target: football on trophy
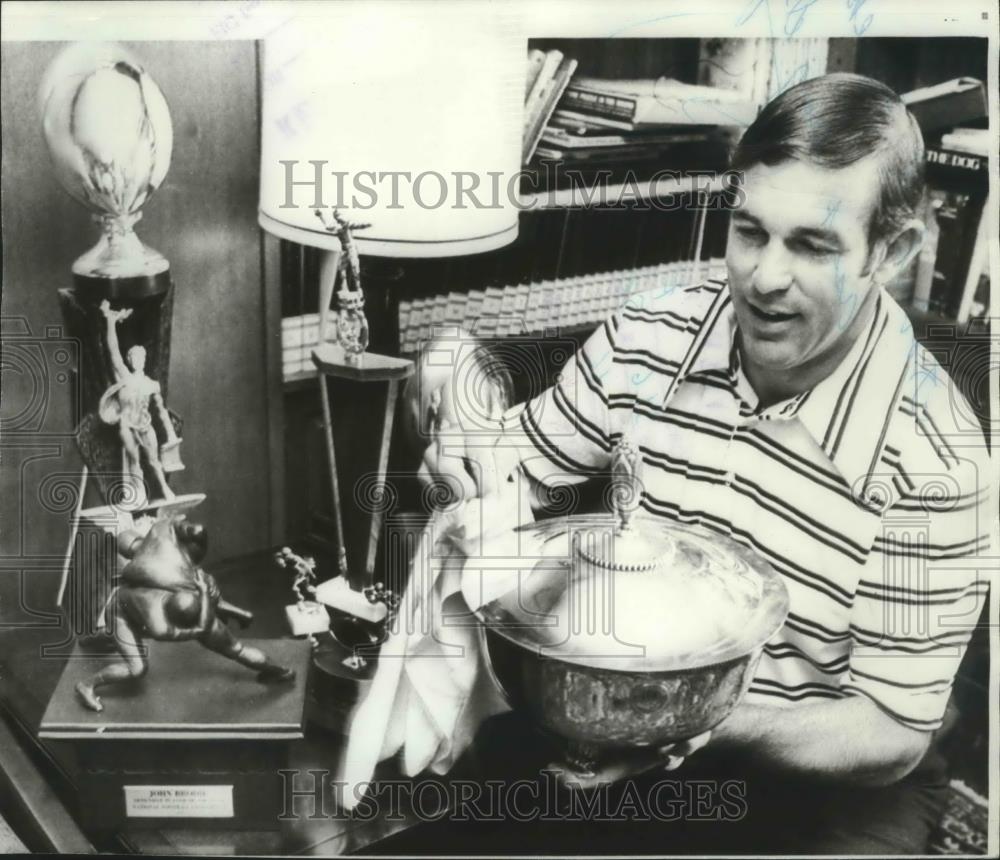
{"type": "Point", "coordinates": [107, 127]}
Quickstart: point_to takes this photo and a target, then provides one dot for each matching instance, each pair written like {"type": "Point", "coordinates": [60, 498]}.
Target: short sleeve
{"type": "Point", "coordinates": [920, 595]}
{"type": "Point", "coordinates": [563, 435]}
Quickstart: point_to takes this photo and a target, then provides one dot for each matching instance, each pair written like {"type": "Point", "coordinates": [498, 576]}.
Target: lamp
{"type": "Point", "coordinates": [403, 117]}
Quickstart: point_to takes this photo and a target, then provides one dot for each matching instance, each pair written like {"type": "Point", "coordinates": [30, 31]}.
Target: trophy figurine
{"type": "Point", "coordinates": [306, 616]}
{"type": "Point", "coordinates": [130, 404]}
{"type": "Point", "coordinates": [164, 595]}
{"type": "Point", "coordinates": [352, 325]}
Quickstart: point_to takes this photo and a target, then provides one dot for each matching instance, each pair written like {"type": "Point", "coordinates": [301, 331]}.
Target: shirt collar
{"type": "Point", "coordinates": [847, 414]}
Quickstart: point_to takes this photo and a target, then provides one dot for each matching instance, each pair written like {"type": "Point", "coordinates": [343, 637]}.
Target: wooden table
{"type": "Point", "coordinates": [40, 777]}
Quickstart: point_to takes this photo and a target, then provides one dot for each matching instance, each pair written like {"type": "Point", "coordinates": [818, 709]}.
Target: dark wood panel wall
{"type": "Point", "coordinates": [203, 219]}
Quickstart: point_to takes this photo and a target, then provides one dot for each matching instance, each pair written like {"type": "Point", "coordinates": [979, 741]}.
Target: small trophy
{"type": "Point", "coordinates": [306, 616]}
{"type": "Point", "coordinates": [352, 324]}
{"type": "Point", "coordinates": [357, 622]}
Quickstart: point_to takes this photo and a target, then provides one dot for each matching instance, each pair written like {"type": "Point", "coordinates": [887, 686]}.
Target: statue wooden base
{"type": "Point", "coordinates": [197, 742]}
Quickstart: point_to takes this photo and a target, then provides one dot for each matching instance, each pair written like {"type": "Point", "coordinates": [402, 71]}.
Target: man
{"type": "Point", "coordinates": [782, 408]}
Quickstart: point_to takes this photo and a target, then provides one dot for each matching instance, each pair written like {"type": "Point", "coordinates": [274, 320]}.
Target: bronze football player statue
{"type": "Point", "coordinates": [164, 595]}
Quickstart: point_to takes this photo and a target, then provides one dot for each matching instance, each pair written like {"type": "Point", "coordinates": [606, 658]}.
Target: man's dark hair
{"type": "Point", "coordinates": [834, 121]}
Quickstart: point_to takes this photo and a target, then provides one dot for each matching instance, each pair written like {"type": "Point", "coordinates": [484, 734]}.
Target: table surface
{"type": "Point", "coordinates": [30, 669]}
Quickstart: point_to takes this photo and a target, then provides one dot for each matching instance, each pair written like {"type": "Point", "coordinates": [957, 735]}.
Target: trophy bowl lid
{"type": "Point", "coordinates": [653, 596]}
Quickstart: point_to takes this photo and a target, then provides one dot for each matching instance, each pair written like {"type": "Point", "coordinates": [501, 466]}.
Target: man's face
{"type": "Point", "coordinates": [797, 259]}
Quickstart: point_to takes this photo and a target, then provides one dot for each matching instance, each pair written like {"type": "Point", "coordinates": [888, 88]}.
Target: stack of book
{"type": "Point", "coordinates": [954, 249]}
{"type": "Point", "coordinates": [549, 72]}
{"type": "Point", "coordinates": [566, 305]}
{"type": "Point", "coordinates": [949, 279]}
{"type": "Point", "coordinates": [663, 102]}
{"type": "Point", "coordinates": [632, 128]}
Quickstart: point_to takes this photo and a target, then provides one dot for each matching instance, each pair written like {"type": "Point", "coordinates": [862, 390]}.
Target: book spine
{"type": "Point", "coordinates": [536, 59]}
{"type": "Point", "coordinates": [957, 171]}
{"type": "Point", "coordinates": [535, 103]}
{"type": "Point", "coordinates": [550, 97]}
{"type": "Point", "coordinates": [602, 104]}
{"type": "Point", "coordinates": [560, 137]}
{"type": "Point", "coordinates": [977, 264]}
{"type": "Point", "coordinates": [928, 252]}
{"type": "Point", "coordinates": [971, 217]}
{"type": "Point", "coordinates": [948, 268]}
{"type": "Point", "coordinates": [588, 121]}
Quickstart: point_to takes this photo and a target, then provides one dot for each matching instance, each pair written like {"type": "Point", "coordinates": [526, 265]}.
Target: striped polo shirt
{"type": "Point", "coordinates": [869, 493]}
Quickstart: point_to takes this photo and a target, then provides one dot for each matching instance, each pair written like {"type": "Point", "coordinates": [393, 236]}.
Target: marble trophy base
{"type": "Point", "coordinates": [307, 618]}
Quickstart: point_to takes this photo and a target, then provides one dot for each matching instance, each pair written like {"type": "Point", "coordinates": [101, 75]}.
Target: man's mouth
{"type": "Point", "coordinates": [770, 316]}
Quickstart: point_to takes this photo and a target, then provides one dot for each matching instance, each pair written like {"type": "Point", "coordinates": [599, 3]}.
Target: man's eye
{"type": "Point", "coordinates": [813, 249]}
{"type": "Point", "coordinates": [751, 234]}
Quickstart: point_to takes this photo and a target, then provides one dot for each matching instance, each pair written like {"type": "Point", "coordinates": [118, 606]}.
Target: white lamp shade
{"type": "Point", "coordinates": [404, 115]}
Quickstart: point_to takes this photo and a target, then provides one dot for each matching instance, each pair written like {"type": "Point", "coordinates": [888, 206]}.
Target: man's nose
{"type": "Point", "coordinates": [773, 272]}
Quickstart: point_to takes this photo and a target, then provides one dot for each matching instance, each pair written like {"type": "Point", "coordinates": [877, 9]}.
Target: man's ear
{"type": "Point", "coordinates": [896, 253]}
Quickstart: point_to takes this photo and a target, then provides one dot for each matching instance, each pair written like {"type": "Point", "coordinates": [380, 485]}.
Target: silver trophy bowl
{"type": "Point", "coordinates": [621, 632]}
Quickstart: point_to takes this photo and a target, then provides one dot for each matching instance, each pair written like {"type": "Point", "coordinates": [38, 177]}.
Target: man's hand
{"type": "Point", "coordinates": [630, 764]}
{"type": "Point", "coordinates": [456, 423]}
{"type": "Point", "coordinates": [464, 464]}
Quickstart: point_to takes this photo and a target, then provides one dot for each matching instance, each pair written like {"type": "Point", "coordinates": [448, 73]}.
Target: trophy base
{"type": "Point", "coordinates": [122, 289]}
{"type": "Point", "coordinates": [307, 618]}
{"type": "Point", "coordinates": [168, 507]}
{"type": "Point", "coordinates": [198, 743]}
{"type": "Point", "coordinates": [120, 255]}
{"type": "Point", "coordinates": [336, 687]}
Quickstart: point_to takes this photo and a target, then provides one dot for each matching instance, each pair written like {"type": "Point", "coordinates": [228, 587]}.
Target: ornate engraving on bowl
{"type": "Point", "coordinates": [617, 708]}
